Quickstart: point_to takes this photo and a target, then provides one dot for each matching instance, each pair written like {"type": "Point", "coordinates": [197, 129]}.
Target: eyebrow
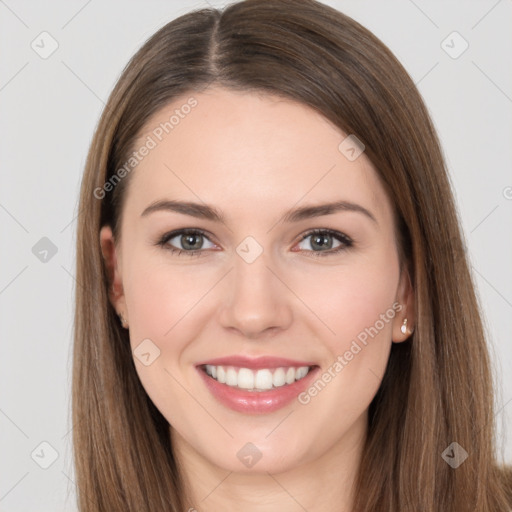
{"type": "Point", "coordinates": [205, 211]}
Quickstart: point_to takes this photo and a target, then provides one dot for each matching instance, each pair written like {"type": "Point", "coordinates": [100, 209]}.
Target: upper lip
{"type": "Point", "coordinates": [256, 362]}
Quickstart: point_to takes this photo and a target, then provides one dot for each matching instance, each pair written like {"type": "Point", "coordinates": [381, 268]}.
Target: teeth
{"type": "Point", "coordinates": [259, 380]}
{"type": "Point", "coordinates": [221, 374]}
{"type": "Point", "coordinates": [245, 378]}
{"type": "Point", "coordinates": [301, 372]}
{"type": "Point", "coordinates": [263, 379]}
{"type": "Point", "coordinates": [279, 378]}
{"type": "Point", "coordinates": [231, 377]}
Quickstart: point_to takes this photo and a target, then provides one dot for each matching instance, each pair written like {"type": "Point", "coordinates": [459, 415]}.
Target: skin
{"type": "Point", "coordinates": [254, 157]}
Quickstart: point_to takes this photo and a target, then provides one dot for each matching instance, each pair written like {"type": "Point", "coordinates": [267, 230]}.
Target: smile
{"type": "Point", "coordinates": [258, 390]}
{"type": "Point", "coordinates": [263, 379]}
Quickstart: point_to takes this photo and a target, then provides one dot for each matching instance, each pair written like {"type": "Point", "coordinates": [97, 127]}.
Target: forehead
{"type": "Point", "coordinates": [248, 153]}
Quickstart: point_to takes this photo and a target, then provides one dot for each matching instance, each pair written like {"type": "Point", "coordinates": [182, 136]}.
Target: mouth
{"type": "Point", "coordinates": [263, 379]}
{"type": "Point", "coordinates": [256, 386]}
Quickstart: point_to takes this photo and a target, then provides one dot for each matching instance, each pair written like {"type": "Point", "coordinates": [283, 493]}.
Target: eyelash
{"type": "Point", "coordinates": [346, 241]}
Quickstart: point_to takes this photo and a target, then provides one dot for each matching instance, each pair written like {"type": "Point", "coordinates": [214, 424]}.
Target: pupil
{"type": "Point", "coordinates": [189, 237]}
{"type": "Point", "coordinates": [322, 241]}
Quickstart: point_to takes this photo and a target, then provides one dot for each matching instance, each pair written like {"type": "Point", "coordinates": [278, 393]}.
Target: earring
{"type": "Point", "coordinates": [124, 323]}
{"type": "Point", "coordinates": [403, 327]}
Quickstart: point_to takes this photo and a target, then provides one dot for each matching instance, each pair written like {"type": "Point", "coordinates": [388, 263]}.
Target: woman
{"type": "Point", "coordinates": [276, 310]}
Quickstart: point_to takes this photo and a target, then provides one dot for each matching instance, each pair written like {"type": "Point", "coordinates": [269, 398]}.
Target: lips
{"type": "Point", "coordinates": [256, 385]}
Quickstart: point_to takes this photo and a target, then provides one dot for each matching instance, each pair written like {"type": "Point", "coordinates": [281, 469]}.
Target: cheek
{"type": "Point", "coordinates": [162, 301]}
{"type": "Point", "coordinates": [351, 300]}
{"type": "Point", "coordinates": [160, 297]}
{"type": "Point", "coordinates": [358, 304]}
{"type": "Point", "coordinates": [169, 305]}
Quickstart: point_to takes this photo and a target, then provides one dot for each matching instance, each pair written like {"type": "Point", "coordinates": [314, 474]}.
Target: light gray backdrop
{"type": "Point", "coordinates": [50, 104]}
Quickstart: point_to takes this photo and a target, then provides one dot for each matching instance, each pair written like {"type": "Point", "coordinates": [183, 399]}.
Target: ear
{"type": "Point", "coordinates": [405, 297]}
{"type": "Point", "coordinates": [112, 259]}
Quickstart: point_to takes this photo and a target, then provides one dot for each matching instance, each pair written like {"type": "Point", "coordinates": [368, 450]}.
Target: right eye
{"type": "Point", "coordinates": [191, 241]}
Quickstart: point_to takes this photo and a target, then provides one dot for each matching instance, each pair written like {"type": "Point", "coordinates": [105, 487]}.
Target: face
{"type": "Point", "coordinates": [258, 292]}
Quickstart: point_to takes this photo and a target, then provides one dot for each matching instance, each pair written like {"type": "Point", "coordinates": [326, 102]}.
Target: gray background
{"type": "Point", "coordinates": [49, 109]}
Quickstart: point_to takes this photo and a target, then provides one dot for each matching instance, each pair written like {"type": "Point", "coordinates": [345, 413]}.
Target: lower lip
{"type": "Point", "coordinates": [256, 402]}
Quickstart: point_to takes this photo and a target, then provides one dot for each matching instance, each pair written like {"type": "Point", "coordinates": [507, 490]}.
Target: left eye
{"type": "Point", "coordinates": [190, 240]}
{"type": "Point", "coordinates": [322, 239]}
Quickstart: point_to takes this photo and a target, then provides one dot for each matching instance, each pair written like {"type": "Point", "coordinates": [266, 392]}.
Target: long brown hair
{"type": "Point", "coordinates": [438, 386]}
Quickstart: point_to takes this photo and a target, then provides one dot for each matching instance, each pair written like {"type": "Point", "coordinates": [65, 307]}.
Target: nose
{"type": "Point", "coordinates": [257, 300]}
